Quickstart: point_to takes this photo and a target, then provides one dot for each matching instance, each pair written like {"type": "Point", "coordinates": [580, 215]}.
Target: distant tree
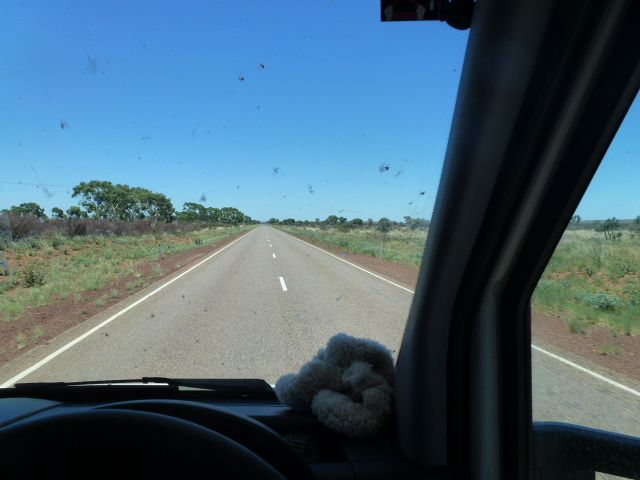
{"type": "Point", "coordinates": [103, 199]}
{"type": "Point", "coordinates": [288, 221]}
{"type": "Point", "coordinates": [273, 221]}
{"type": "Point", "coordinates": [192, 212]}
{"type": "Point", "coordinates": [231, 216]}
{"type": "Point", "coordinates": [212, 214]}
{"type": "Point", "coordinates": [384, 225]}
{"type": "Point", "coordinates": [609, 227]}
{"type": "Point", "coordinates": [369, 222]}
{"type": "Point", "coordinates": [29, 209]}
{"type": "Point", "coordinates": [332, 220]}
{"type": "Point", "coordinates": [419, 224]}
{"type": "Point", "coordinates": [342, 220]}
{"type": "Point", "coordinates": [76, 212]}
{"type": "Point", "coordinates": [57, 213]}
{"type": "Point", "coordinates": [576, 219]}
{"type": "Point", "coordinates": [357, 222]}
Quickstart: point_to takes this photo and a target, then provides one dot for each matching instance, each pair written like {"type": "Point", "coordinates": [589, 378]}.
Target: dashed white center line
{"type": "Point", "coordinates": [283, 285]}
{"type": "Point", "coordinates": [274, 255]}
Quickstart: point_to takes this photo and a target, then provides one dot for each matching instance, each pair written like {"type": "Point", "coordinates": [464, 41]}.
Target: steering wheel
{"type": "Point", "coordinates": [254, 435]}
{"type": "Point", "coordinates": [121, 442]}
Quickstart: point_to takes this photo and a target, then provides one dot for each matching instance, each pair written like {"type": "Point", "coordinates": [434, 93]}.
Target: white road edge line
{"type": "Point", "coordinates": [274, 255]}
{"type": "Point", "coordinates": [587, 371]}
{"type": "Point", "coordinates": [352, 264]}
{"type": "Point", "coordinates": [535, 347]}
{"type": "Point", "coordinates": [283, 285]}
{"type": "Point", "coordinates": [66, 347]}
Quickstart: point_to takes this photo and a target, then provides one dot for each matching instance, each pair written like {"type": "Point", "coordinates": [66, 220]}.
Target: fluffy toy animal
{"type": "Point", "coordinates": [348, 385]}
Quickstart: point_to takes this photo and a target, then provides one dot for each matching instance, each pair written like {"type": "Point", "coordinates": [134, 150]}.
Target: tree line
{"type": "Point", "coordinates": [104, 200]}
{"type": "Point", "coordinates": [611, 228]}
{"type": "Point", "coordinates": [383, 224]}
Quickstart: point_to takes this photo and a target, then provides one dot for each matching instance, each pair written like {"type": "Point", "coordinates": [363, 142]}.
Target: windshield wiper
{"type": "Point", "coordinates": [243, 385]}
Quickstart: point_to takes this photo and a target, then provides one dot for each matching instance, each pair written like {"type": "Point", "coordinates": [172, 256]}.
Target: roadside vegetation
{"type": "Point", "coordinates": [593, 277]}
{"type": "Point", "coordinates": [40, 271]}
{"type": "Point", "coordinates": [392, 241]}
{"type": "Point", "coordinates": [111, 234]}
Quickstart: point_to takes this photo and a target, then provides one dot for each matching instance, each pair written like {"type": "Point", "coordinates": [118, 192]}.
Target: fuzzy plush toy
{"type": "Point", "coordinates": [348, 385]}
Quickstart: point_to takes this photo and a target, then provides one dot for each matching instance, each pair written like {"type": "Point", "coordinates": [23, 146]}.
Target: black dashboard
{"type": "Point", "coordinates": [294, 443]}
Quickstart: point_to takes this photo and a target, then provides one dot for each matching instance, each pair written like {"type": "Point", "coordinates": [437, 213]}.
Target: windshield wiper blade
{"type": "Point", "coordinates": [222, 385]}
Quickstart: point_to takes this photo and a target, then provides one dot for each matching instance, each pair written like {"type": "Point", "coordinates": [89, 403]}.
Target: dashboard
{"type": "Point", "coordinates": [294, 443]}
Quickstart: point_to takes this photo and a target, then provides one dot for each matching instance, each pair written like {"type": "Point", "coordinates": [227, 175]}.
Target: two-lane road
{"type": "Point", "coordinates": [231, 317]}
{"type": "Point", "coordinates": [263, 306]}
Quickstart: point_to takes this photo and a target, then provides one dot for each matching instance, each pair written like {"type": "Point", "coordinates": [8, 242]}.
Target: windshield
{"type": "Point", "coordinates": [212, 189]}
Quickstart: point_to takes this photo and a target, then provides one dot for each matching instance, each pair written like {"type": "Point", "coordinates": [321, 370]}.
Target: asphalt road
{"type": "Point", "coordinates": [231, 318]}
{"type": "Point", "coordinates": [262, 307]}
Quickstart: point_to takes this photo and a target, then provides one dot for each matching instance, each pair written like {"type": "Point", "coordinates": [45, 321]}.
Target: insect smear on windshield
{"type": "Point", "coordinates": [310, 189]}
{"type": "Point", "coordinates": [145, 138]}
{"type": "Point", "coordinates": [261, 66]}
{"type": "Point", "coordinates": [422, 192]}
{"type": "Point", "coordinates": [237, 187]}
{"type": "Point", "coordinates": [399, 172]}
{"type": "Point", "coordinates": [275, 171]}
{"type": "Point", "coordinates": [63, 124]}
{"type": "Point", "coordinates": [92, 65]}
{"type": "Point", "coordinates": [203, 197]}
{"type": "Point", "coordinates": [410, 203]}
{"type": "Point", "coordinates": [384, 167]}
{"type": "Point", "coordinates": [241, 78]}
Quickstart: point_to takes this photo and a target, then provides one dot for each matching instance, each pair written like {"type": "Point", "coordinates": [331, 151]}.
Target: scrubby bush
{"type": "Point", "coordinates": [57, 241]}
{"type": "Point", "coordinates": [33, 275]}
{"type": "Point", "coordinates": [601, 300]}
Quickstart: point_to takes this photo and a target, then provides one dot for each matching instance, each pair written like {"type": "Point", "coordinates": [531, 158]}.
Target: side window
{"type": "Point", "coordinates": [586, 307]}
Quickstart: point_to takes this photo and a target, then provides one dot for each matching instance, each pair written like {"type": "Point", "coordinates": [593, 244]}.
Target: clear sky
{"type": "Point", "coordinates": [173, 96]}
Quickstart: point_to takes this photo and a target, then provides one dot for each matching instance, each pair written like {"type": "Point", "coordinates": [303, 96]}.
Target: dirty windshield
{"type": "Point", "coordinates": [212, 189]}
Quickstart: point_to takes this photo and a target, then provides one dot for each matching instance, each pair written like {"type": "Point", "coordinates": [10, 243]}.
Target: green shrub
{"type": "Point", "coordinates": [4, 266]}
{"type": "Point", "coordinates": [57, 242]}
{"type": "Point", "coordinates": [611, 349]}
{"type": "Point", "coordinates": [577, 325]}
{"type": "Point", "coordinates": [5, 286]}
{"type": "Point", "coordinates": [157, 271]}
{"type": "Point", "coordinates": [33, 275]}
{"type": "Point", "coordinates": [34, 244]}
{"type": "Point", "coordinates": [37, 332]}
{"type": "Point", "coordinates": [601, 300]}
{"type": "Point", "coordinates": [623, 268]}
{"type": "Point", "coordinates": [632, 290]}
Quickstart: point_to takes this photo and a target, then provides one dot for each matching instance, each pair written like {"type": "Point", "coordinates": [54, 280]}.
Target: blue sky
{"type": "Point", "coordinates": [150, 95]}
